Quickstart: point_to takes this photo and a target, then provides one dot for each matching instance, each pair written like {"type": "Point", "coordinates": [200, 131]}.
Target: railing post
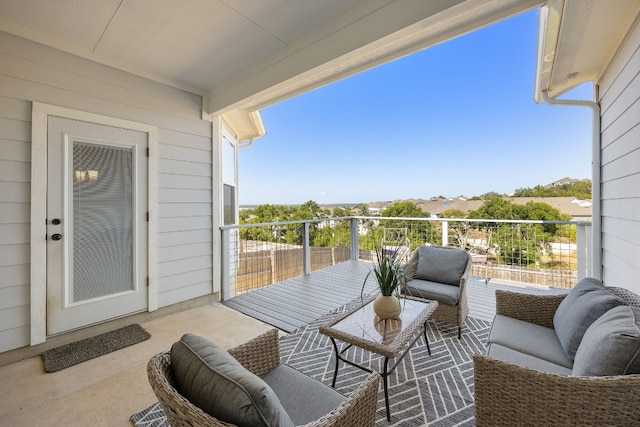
{"type": "Point", "coordinates": [225, 267]}
{"type": "Point", "coordinates": [445, 233]}
{"type": "Point", "coordinates": [583, 243]}
{"type": "Point", "coordinates": [355, 253]}
{"type": "Point", "coordinates": [306, 249]}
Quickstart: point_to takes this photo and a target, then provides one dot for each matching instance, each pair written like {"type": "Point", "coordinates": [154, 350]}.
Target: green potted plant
{"type": "Point", "coordinates": [391, 277]}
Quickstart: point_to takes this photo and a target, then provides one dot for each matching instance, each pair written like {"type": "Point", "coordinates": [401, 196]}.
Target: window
{"type": "Point", "coordinates": [229, 208]}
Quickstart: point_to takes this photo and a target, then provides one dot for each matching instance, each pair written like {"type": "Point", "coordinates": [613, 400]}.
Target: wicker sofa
{"type": "Point", "coordinates": [224, 389]}
{"type": "Point", "coordinates": [538, 372]}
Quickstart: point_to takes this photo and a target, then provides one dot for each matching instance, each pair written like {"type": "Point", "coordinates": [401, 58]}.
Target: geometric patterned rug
{"type": "Point", "coordinates": [424, 390]}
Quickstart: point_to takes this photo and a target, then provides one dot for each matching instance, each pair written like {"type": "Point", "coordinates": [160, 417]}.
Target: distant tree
{"type": "Point", "coordinates": [416, 235]}
{"type": "Point", "coordinates": [580, 190]}
{"type": "Point", "coordinates": [490, 195]}
{"type": "Point", "coordinates": [452, 213]}
{"type": "Point", "coordinates": [519, 243]}
{"type": "Point", "coordinates": [404, 209]}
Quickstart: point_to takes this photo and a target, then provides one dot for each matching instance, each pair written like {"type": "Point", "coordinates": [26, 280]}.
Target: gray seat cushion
{"type": "Point", "coordinates": [443, 293]}
{"type": "Point", "coordinates": [213, 380]}
{"type": "Point", "coordinates": [528, 338]}
{"type": "Point", "coordinates": [586, 302]}
{"type": "Point", "coordinates": [525, 360]}
{"type": "Point", "coordinates": [304, 398]}
{"type": "Point", "coordinates": [611, 345]}
{"type": "Point", "coordinates": [441, 265]}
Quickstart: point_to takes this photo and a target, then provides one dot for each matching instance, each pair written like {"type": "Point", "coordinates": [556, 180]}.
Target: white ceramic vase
{"type": "Point", "coordinates": [387, 307]}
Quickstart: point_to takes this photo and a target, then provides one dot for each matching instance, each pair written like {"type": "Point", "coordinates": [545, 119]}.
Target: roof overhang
{"type": "Point", "coordinates": [247, 125]}
{"type": "Point", "coordinates": [576, 41]}
{"type": "Point", "coordinates": [247, 54]}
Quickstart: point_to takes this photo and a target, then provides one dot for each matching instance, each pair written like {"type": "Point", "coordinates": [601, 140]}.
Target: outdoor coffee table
{"type": "Point", "coordinates": [390, 338]}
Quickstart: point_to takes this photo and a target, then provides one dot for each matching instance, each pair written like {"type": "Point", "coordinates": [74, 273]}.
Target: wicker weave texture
{"type": "Point", "coordinates": [537, 309]}
{"type": "Point", "coordinates": [452, 314]}
{"type": "Point", "coordinates": [509, 395]}
{"type": "Point", "coordinates": [257, 355]}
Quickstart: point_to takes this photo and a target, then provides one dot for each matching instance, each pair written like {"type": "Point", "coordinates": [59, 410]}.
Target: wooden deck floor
{"type": "Point", "coordinates": [294, 303]}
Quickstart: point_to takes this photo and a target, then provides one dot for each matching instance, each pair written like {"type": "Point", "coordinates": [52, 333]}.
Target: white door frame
{"type": "Point", "coordinates": [39, 119]}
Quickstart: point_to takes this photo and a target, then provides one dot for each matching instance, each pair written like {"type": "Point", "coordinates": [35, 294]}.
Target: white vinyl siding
{"type": "Point", "coordinates": [619, 91]}
{"type": "Point", "coordinates": [15, 177]}
{"type": "Point", "coordinates": [33, 72]}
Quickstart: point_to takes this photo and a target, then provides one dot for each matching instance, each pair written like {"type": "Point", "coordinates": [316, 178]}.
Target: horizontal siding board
{"type": "Point", "coordinates": [181, 139]}
{"type": "Point", "coordinates": [622, 166]}
{"type": "Point", "coordinates": [621, 188]}
{"type": "Point", "coordinates": [166, 180]}
{"type": "Point", "coordinates": [92, 85]}
{"type": "Point", "coordinates": [19, 88]}
{"type": "Point", "coordinates": [184, 280]}
{"type": "Point", "coordinates": [621, 146]}
{"type": "Point", "coordinates": [623, 93]}
{"type": "Point", "coordinates": [31, 51]}
{"type": "Point", "coordinates": [184, 223]}
{"type": "Point", "coordinates": [171, 195]}
{"type": "Point", "coordinates": [184, 154]}
{"type": "Point", "coordinates": [15, 192]}
{"type": "Point", "coordinates": [621, 208]}
{"type": "Point", "coordinates": [183, 238]}
{"type": "Point", "coordinates": [194, 263]}
{"type": "Point", "coordinates": [14, 254]}
{"type": "Point", "coordinates": [621, 228]}
{"type": "Point", "coordinates": [18, 151]}
{"type": "Point", "coordinates": [626, 250]}
{"type": "Point", "coordinates": [173, 253]}
{"type": "Point", "coordinates": [15, 213]}
{"type": "Point", "coordinates": [14, 317]}
{"type": "Point", "coordinates": [13, 108]}
{"type": "Point", "coordinates": [14, 296]}
{"type": "Point", "coordinates": [14, 338]}
{"type": "Point", "coordinates": [174, 210]}
{"type": "Point", "coordinates": [13, 171]}
{"type": "Point", "coordinates": [619, 272]}
{"type": "Point", "coordinates": [184, 168]}
{"type": "Point", "coordinates": [14, 234]}
{"type": "Point", "coordinates": [184, 294]}
{"type": "Point", "coordinates": [621, 71]}
{"type": "Point", "coordinates": [622, 125]}
{"type": "Point", "coordinates": [14, 275]}
{"type": "Point", "coordinates": [15, 130]}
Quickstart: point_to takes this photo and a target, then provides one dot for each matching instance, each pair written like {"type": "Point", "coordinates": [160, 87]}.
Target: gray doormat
{"type": "Point", "coordinates": [71, 354]}
{"type": "Point", "coordinates": [434, 390]}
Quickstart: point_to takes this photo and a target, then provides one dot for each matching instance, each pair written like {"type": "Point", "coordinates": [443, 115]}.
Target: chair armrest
{"type": "Point", "coordinates": [259, 355]}
{"type": "Point", "coordinates": [509, 395]}
{"type": "Point", "coordinates": [538, 309]}
{"type": "Point", "coordinates": [358, 410]}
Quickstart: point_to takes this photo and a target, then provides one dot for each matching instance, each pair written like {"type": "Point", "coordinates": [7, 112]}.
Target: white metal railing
{"type": "Point", "coordinates": [552, 253]}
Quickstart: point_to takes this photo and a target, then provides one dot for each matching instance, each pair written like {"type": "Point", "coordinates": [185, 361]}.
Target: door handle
{"type": "Point", "coordinates": [56, 236]}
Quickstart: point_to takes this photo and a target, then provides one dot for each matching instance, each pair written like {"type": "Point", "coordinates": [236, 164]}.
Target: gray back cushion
{"type": "Point", "coordinates": [611, 345]}
{"type": "Point", "coordinates": [441, 265]}
{"type": "Point", "coordinates": [585, 303]}
{"type": "Point", "coordinates": [214, 381]}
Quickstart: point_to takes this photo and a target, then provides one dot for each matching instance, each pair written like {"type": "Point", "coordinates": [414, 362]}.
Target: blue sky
{"type": "Point", "coordinates": [455, 119]}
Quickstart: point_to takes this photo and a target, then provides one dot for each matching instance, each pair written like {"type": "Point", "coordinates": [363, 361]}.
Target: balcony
{"type": "Point", "coordinates": [107, 390]}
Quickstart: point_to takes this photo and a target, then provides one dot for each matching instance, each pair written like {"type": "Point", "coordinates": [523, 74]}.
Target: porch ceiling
{"type": "Point", "coordinates": [245, 53]}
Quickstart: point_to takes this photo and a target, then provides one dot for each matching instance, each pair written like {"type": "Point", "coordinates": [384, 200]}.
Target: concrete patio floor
{"type": "Point", "coordinates": [107, 390]}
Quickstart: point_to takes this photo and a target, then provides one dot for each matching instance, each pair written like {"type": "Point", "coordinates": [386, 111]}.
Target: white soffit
{"type": "Point", "coordinates": [577, 40]}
